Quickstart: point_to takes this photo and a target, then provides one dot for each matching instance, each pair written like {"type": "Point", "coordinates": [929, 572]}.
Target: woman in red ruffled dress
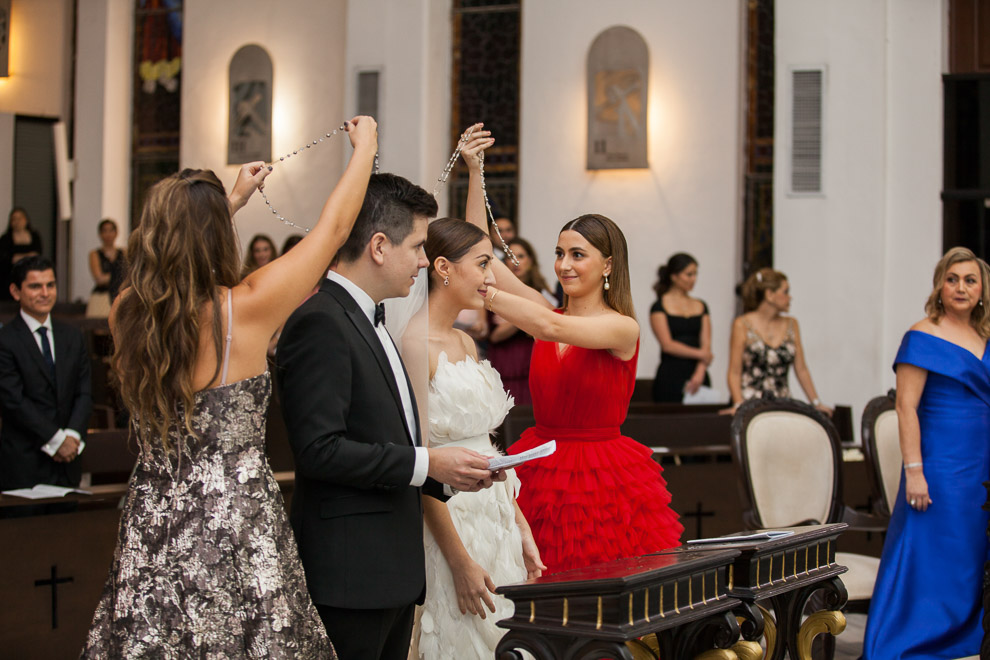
{"type": "Point", "coordinates": [601, 496]}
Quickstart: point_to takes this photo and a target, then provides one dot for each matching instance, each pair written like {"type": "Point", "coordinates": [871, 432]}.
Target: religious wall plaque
{"type": "Point", "coordinates": [618, 68]}
{"type": "Point", "coordinates": [4, 38]}
{"type": "Point", "coordinates": [249, 133]}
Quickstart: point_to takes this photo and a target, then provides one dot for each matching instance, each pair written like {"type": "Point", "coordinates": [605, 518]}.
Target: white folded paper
{"type": "Point", "coordinates": [42, 491]}
{"type": "Point", "coordinates": [504, 462]}
{"type": "Point", "coordinates": [768, 535]}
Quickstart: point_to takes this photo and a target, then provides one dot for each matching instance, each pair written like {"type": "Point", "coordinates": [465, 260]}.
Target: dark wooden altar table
{"type": "Point", "coordinates": [784, 574]}
{"type": "Point", "coordinates": [590, 613]}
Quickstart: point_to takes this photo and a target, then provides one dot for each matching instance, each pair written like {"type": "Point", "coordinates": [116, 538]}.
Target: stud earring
{"type": "Point", "coordinates": [446, 280]}
{"type": "Point", "coordinates": [606, 282]}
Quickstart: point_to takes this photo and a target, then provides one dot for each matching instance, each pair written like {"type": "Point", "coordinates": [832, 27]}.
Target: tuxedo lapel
{"type": "Point", "coordinates": [367, 332]}
{"type": "Point", "coordinates": [31, 348]}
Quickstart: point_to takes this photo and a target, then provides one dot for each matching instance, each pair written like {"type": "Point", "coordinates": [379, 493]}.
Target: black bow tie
{"type": "Point", "coordinates": [379, 314]}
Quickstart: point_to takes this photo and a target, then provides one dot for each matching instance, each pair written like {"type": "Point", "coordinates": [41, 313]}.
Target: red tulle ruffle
{"type": "Point", "coordinates": [598, 501]}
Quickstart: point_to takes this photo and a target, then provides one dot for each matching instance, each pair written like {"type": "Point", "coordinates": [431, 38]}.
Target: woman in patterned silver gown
{"type": "Point", "coordinates": [206, 565]}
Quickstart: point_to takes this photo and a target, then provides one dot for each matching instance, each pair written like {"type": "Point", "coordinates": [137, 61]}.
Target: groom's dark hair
{"type": "Point", "coordinates": [390, 204]}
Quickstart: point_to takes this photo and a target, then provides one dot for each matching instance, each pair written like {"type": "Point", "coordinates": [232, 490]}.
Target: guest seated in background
{"type": "Point", "coordinates": [927, 598]}
{"type": "Point", "coordinates": [765, 343]}
{"type": "Point", "coordinates": [684, 330]}
{"type": "Point", "coordinates": [103, 261]}
{"type": "Point", "coordinates": [509, 348]}
{"type": "Point", "coordinates": [261, 251]}
{"type": "Point", "coordinates": [44, 386]}
{"type": "Point", "coordinates": [18, 242]}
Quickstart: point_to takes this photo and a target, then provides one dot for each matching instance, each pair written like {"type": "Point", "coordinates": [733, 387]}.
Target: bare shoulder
{"type": "Point", "coordinates": [926, 325]}
{"type": "Point", "coordinates": [467, 343]}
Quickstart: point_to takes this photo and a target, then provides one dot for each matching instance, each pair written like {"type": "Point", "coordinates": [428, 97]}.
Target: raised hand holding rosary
{"type": "Point", "coordinates": [308, 145]}
{"type": "Point", "coordinates": [442, 179]}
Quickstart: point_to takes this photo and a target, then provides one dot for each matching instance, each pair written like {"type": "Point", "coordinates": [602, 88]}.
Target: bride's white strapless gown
{"type": "Point", "coordinates": [466, 402]}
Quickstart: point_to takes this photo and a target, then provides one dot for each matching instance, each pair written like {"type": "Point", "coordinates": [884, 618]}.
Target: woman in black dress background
{"type": "Point", "coordinates": [19, 241]}
{"type": "Point", "coordinates": [683, 328]}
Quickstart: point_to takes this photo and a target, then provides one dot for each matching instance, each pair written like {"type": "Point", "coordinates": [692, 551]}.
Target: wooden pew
{"type": "Point", "coordinates": [109, 456]}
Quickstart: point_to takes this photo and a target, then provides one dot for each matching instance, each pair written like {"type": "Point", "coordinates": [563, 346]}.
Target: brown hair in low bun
{"type": "Point", "coordinates": [755, 288]}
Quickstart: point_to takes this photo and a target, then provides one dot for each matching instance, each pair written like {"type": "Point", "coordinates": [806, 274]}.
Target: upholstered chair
{"type": "Point", "coordinates": [790, 466]}
{"type": "Point", "coordinates": [882, 449]}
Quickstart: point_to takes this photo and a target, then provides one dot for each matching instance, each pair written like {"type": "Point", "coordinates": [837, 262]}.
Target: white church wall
{"type": "Point", "coordinates": [40, 59]}
{"type": "Point", "coordinates": [689, 198]}
{"type": "Point", "coordinates": [102, 150]}
{"type": "Point", "coordinates": [408, 43]}
{"type": "Point", "coordinates": [306, 42]}
{"type": "Point", "coordinates": [857, 255]}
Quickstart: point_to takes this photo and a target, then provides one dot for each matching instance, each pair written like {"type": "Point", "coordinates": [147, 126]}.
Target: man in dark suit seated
{"type": "Point", "coordinates": [45, 399]}
{"type": "Point", "coordinates": [354, 429]}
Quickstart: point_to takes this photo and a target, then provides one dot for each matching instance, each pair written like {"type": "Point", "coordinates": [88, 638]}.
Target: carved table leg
{"type": "Point", "coordinates": [553, 647]}
{"type": "Point", "coordinates": [830, 621]}
{"type": "Point", "coordinates": [717, 654]}
{"type": "Point", "coordinates": [717, 632]}
{"type": "Point", "coordinates": [770, 635]}
{"type": "Point", "coordinates": [790, 608]}
{"type": "Point", "coordinates": [514, 641]}
{"type": "Point", "coordinates": [748, 650]}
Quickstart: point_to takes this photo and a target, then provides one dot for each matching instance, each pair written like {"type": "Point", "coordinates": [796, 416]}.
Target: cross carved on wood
{"type": "Point", "coordinates": [53, 581]}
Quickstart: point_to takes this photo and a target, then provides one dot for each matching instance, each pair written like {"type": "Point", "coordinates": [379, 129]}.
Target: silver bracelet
{"type": "Point", "coordinates": [816, 402]}
{"type": "Point", "coordinates": [908, 466]}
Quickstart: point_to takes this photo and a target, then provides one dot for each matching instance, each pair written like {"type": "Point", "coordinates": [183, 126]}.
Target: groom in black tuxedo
{"type": "Point", "coordinates": [354, 429]}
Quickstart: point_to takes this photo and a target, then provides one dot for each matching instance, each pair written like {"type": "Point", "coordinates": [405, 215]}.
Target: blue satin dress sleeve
{"type": "Point", "coordinates": [927, 601]}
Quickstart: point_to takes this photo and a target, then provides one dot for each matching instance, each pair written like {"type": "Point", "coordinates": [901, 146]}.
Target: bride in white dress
{"type": "Point", "coordinates": [474, 541]}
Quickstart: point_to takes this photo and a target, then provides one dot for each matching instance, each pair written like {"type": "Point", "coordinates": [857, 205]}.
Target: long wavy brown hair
{"type": "Point", "coordinates": [608, 239]}
{"type": "Point", "coordinates": [182, 253]}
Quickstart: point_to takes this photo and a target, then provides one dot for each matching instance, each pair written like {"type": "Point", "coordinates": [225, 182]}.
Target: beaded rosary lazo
{"type": "Point", "coordinates": [442, 179]}
{"type": "Point", "coordinates": [282, 159]}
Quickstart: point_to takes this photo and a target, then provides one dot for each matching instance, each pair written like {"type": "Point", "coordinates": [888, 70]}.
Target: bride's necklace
{"type": "Point", "coordinates": [295, 152]}
{"type": "Point", "coordinates": [442, 179]}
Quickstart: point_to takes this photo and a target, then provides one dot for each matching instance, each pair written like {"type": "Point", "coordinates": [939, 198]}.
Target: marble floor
{"type": "Point", "coordinates": [849, 644]}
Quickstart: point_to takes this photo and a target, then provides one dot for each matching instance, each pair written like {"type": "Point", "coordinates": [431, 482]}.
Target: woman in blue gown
{"type": "Point", "coordinates": [927, 598]}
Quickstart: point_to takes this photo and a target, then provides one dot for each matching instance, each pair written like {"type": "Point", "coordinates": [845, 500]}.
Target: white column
{"type": "Point", "coordinates": [102, 130]}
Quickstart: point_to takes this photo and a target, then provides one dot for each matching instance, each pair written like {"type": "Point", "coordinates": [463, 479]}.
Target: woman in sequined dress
{"type": "Point", "coordinates": [206, 564]}
{"type": "Point", "coordinates": [765, 343]}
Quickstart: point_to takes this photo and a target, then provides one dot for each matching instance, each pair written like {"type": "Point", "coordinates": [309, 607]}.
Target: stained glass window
{"type": "Point", "coordinates": [485, 45]}
{"type": "Point", "coordinates": [758, 184]}
{"type": "Point", "coordinates": [157, 95]}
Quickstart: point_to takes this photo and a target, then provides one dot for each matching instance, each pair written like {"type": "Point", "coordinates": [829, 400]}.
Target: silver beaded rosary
{"type": "Point", "coordinates": [309, 145]}
{"type": "Point", "coordinates": [442, 179]}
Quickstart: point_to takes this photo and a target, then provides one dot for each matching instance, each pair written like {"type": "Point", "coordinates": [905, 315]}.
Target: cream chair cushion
{"type": "Point", "coordinates": [861, 576]}
{"type": "Point", "coordinates": [888, 454]}
{"type": "Point", "coordinates": [789, 453]}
